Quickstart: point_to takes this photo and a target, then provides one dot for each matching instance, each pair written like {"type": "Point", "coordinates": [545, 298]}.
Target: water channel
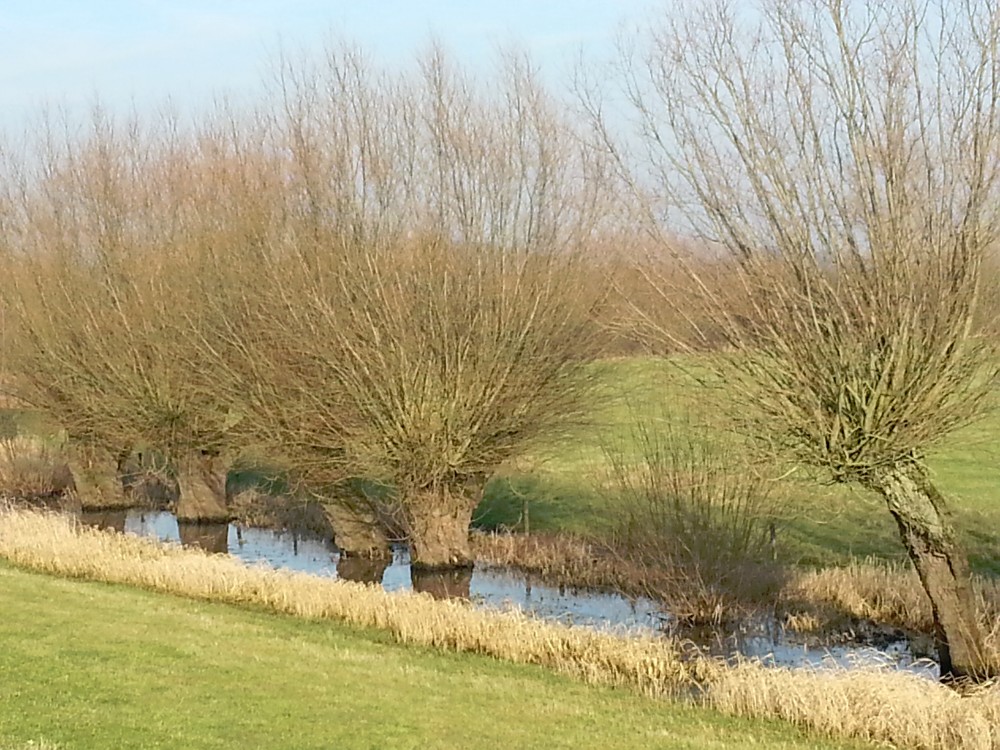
{"type": "Point", "coordinates": [499, 588]}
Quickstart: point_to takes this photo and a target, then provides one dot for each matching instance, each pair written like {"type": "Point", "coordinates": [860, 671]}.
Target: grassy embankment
{"type": "Point", "coordinates": [80, 657]}
{"type": "Point", "coordinates": [89, 665]}
{"type": "Point", "coordinates": [86, 665]}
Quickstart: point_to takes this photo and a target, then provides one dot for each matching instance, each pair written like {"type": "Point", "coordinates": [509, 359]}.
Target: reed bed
{"type": "Point", "coordinates": [561, 559]}
{"type": "Point", "coordinates": [881, 706]}
{"type": "Point", "coordinates": [889, 708]}
{"type": "Point", "coordinates": [889, 594]}
{"type": "Point", "coordinates": [31, 468]}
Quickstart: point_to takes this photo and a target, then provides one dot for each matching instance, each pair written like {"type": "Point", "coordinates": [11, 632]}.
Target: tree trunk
{"type": "Point", "coordinates": [362, 569]}
{"type": "Point", "coordinates": [201, 485]}
{"type": "Point", "coordinates": [454, 583]}
{"type": "Point", "coordinates": [95, 478]}
{"type": "Point", "coordinates": [357, 529]}
{"type": "Point", "coordinates": [926, 530]}
{"type": "Point", "coordinates": [211, 537]}
{"type": "Point", "coordinates": [438, 526]}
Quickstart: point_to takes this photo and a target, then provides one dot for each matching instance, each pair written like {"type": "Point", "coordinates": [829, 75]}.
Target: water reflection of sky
{"type": "Point", "coordinates": [489, 587]}
{"type": "Point", "coordinates": [502, 589]}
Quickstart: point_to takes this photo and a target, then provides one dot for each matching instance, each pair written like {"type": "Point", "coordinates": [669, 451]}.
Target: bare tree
{"type": "Point", "coordinates": [844, 156]}
{"type": "Point", "coordinates": [110, 229]}
{"type": "Point", "coordinates": [458, 359]}
{"type": "Point", "coordinates": [265, 353]}
{"type": "Point", "coordinates": [424, 318]}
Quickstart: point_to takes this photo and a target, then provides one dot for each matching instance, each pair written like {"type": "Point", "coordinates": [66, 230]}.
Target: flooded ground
{"type": "Point", "coordinates": [498, 589]}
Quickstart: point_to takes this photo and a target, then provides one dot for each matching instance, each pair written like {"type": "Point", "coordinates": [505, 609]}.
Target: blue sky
{"type": "Point", "coordinates": [71, 51]}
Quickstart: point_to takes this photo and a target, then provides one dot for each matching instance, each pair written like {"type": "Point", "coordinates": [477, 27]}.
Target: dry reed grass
{"type": "Point", "coordinates": [55, 544]}
{"type": "Point", "coordinates": [889, 594]}
{"type": "Point", "coordinates": [561, 559]}
{"type": "Point", "coordinates": [871, 590]}
{"type": "Point", "coordinates": [889, 708]}
{"type": "Point", "coordinates": [30, 468]}
{"type": "Point", "coordinates": [897, 709]}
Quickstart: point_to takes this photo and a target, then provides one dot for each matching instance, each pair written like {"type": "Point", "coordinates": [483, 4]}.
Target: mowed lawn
{"type": "Point", "coordinates": [819, 523]}
{"type": "Point", "coordinates": [88, 665]}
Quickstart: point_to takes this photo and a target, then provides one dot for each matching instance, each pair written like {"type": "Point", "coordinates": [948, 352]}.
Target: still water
{"type": "Point", "coordinates": [498, 588]}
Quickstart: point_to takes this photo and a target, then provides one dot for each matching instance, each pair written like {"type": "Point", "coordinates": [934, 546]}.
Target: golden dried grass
{"type": "Point", "coordinates": [56, 544]}
{"type": "Point", "coordinates": [561, 559]}
{"type": "Point", "coordinates": [882, 706]}
{"type": "Point", "coordinates": [889, 594]}
{"type": "Point", "coordinates": [30, 468]}
{"type": "Point", "coordinates": [886, 593]}
{"type": "Point", "coordinates": [890, 708]}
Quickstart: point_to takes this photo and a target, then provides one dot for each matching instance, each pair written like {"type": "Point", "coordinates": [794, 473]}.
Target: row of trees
{"type": "Point", "coordinates": [374, 278]}
{"type": "Point", "coordinates": [389, 277]}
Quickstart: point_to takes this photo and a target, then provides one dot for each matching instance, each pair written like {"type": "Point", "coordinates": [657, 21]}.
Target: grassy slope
{"type": "Point", "coordinates": [822, 524]}
{"type": "Point", "coordinates": [87, 665]}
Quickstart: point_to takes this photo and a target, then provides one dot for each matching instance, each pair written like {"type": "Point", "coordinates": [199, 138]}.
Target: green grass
{"type": "Point", "coordinates": [821, 524]}
{"type": "Point", "coordinates": [87, 665]}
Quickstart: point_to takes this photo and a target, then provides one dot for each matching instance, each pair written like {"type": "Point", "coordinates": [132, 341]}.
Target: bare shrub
{"type": "Point", "coordinates": [687, 502]}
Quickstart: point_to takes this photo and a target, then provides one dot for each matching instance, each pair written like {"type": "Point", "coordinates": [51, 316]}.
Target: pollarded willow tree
{"type": "Point", "coordinates": [109, 230]}
{"type": "Point", "coordinates": [458, 358]}
{"type": "Point", "coordinates": [845, 157]}
{"type": "Point", "coordinates": [264, 352]}
{"type": "Point", "coordinates": [431, 327]}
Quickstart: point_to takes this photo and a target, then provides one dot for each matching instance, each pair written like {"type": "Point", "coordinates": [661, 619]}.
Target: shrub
{"type": "Point", "coordinates": [687, 502]}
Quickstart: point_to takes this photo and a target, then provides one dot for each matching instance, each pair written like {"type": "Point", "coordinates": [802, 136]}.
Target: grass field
{"type": "Point", "coordinates": [821, 524]}
{"type": "Point", "coordinates": [88, 665]}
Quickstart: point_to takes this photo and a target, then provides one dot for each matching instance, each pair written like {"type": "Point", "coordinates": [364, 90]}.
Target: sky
{"type": "Point", "coordinates": [140, 52]}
